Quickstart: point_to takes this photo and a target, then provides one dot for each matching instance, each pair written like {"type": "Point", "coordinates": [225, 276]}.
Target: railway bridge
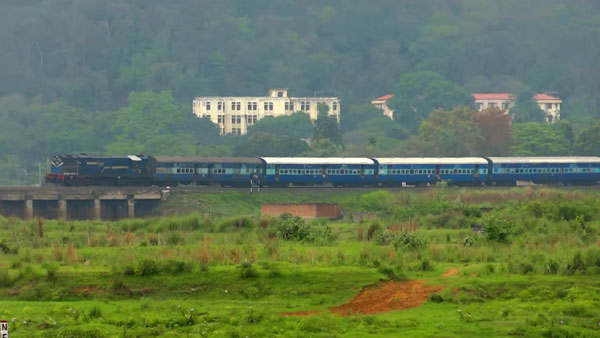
{"type": "Point", "coordinates": [78, 203]}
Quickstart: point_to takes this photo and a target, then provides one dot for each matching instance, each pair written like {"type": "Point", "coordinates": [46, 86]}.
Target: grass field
{"type": "Point", "coordinates": [443, 263]}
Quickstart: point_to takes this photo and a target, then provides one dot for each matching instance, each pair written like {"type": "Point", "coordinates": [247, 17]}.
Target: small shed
{"type": "Point", "coordinates": [304, 210]}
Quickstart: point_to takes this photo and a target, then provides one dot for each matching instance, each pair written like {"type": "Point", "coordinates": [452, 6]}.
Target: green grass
{"type": "Point", "coordinates": [534, 273]}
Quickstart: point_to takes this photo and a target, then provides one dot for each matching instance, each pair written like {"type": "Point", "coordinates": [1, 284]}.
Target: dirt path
{"type": "Point", "coordinates": [388, 296]}
{"type": "Point", "coordinates": [382, 297]}
{"type": "Point", "coordinates": [451, 272]}
{"type": "Point", "coordinates": [385, 297]}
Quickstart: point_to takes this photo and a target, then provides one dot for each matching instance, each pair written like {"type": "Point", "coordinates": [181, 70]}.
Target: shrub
{"type": "Point", "coordinates": [393, 273]}
{"type": "Point", "coordinates": [292, 228]}
{"type": "Point", "coordinates": [498, 229]}
{"type": "Point", "coordinates": [247, 271]}
{"type": "Point", "coordinates": [147, 267]}
{"type": "Point", "coordinates": [242, 222]}
{"type": "Point", "coordinates": [436, 298]}
{"type": "Point", "coordinates": [405, 240]}
{"type": "Point", "coordinates": [95, 312]}
{"type": "Point", "coordinates": [577, 265]}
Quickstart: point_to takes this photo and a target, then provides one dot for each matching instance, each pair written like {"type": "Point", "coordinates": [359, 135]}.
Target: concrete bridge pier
{"type": "Point", "coordinates": [79, 203]}
{"type": "Point", "coordinates": [130, 206]}
{"type": "Point", "coordinates": [28, 207]}
{"type": "Point", "coordinates": [62, 209]}
{"type": "Point", "coordinates": [97, 209]}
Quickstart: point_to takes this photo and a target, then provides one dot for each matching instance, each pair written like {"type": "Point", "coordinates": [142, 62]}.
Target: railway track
{"type": "Point", "coordinates": [296, 189]}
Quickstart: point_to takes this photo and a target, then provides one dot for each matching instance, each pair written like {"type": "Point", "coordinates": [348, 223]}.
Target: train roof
{"type": "Point", "coordinates": [135, 158]}
{"type": "Point", "coordinates": [541, 160]}
{"type": "Point", "coordinates": [197, 159]}
{"type": "Point", "coordinates": [318, 160]}
{"type": "Point", "coordinates": [430, 160]}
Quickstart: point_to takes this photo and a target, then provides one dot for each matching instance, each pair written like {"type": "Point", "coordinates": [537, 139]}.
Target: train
{"type": "Point", "coordinates": [140, 170]}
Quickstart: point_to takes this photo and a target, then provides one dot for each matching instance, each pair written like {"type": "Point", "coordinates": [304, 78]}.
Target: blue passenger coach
{"type": "Point", "coordinates": [566, 170]}
{"type": "Point", "coordinates": [224, 171]}
{"type": "Point", "coordinates": [429, 170]}
{"type": "Point", "coordinates": [338, 171]}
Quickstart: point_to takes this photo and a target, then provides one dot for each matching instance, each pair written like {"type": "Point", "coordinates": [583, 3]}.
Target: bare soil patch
{"type": "Point", "coordinates": [299, 313]}
{"type": "Point", "coordinates": [385, 297]}
{"type": "Point", "coordinates": [388, 296]}
{"type": "Point", "coordinates": [451, 272]}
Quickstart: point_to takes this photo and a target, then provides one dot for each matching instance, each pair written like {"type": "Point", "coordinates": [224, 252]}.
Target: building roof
{"type": "Point", "coordinates": [546, 97]}
{"type": "Point", "coordinates": [493, 96]}
{"type": "Point", "coordinates": [318, 160]}
{"type": "Point", "coordinates": [384, 97]}
{"type": "Point", "coordinates": [430, 160]}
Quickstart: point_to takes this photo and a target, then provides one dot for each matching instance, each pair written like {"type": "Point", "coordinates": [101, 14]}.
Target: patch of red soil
{"type": "Point", "coordinates": [299, 313]}
{"type": "Point", "coordinates": [89, 290]}
{"type": "Point", "coordinates": [451, 272]}
{"type": "Point", "coordinates": [388, 296]}
{"type": "Point", "coordinates": [385, 297]}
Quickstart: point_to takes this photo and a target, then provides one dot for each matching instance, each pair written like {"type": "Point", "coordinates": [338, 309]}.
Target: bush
{"type": "Point", "coordinates": [436, 298]}
{"type": "Point", "coordinates": [405, 240]}
{"type": "Point", "coordinates": [292, 228]}
{"type": "Point", "coordinates": [242, 222]}
{"type": "Point", "coordinates": [498, 229]}
{"type": "Point", "coordinates": [393, 273]}
{"type": "Point", "coordinates": [247, 271]}
{"type": "Point", "coordinates": [146, 267]}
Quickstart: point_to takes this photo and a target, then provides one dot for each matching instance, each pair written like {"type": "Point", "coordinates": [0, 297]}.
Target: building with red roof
{"type": "Point", "coordinates": [550, 105]}
{"type": "Point", "coordinates": [502, 101]}
{"type": "Point", "coordinates": [381, 103]}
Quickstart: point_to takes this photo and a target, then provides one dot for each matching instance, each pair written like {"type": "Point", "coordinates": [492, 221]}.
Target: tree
{"type": "Point", "coordinates": [538, 139]}
{"type": "Point", "coordinates": [588, 142]}
{"type": "Point", "coordinates": [418, 94]}
{"type": "Point", "coordinates": [154, 124]}
{"type": "Point", "coordinates": [495, 129]}
{"type": "Point", "coordinates": [297, 125]}
{"type": "Point", "coordinates": [267, 144]}
{"type": "Point", "coordinates": [449, 133]}
{"type": "Point", "coordinates": [326, 127]}
{"type": "Point", "coordinates": [526, 110]}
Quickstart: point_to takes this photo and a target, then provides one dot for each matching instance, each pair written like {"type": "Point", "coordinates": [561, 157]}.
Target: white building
{"type": "Point", "coordinates": [381, 103]}
{"type": "Point", "coordinates": [502, 101]}
{"type": "Point", "coordinates": [550, 105]}
{"type": "Point", "coordinates": [234, 115]}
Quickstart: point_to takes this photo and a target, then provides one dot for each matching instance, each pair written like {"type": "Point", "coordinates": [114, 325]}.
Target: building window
{"type": "Point", "coordinates": [236, 106]}
{"type": "Point", "coordinates": [236, 131]}
{"type": "Point", "coordinates": [305, 106]}
{"type": "Point", "coordinates": [221, 118]}
{"type": "Point", "coordinates": [279, 94]}
{"type": "Point", "coordinates": [252, 106]}
{"type": "Point", "coordinates": [220, 105]}
{"type": "Point", "coordinates": [207, 105]}
{"type": "Point", "coordinates": [492, 105]}
{"type": "Point", "coordinates": [505, 105]}
{"type": "Point", "coordinates": [548, 106]}
{"type": "Point", "coordinates": [289, 106]}
{"type": "Point", "coordinates": [236, 119]}
{"type": "Point", "coordinates": [268, 106]}
{"type": "Point", "coordinates": [335, 106]}
{"type": "Point", "coordinates": [252, 119]}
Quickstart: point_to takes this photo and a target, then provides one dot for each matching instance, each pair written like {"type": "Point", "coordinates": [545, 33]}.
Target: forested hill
{"type": "Point", "coordinates": [77, 62]}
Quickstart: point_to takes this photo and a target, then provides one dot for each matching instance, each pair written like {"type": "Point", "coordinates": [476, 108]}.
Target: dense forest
{"type": "Point", "coordinates": [119, 76]}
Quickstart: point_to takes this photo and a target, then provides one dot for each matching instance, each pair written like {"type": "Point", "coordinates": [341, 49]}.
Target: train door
{"type": "Point", "coordinates": [437, 173]}
{"type": "Point", "coordinates": [476, 173]}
